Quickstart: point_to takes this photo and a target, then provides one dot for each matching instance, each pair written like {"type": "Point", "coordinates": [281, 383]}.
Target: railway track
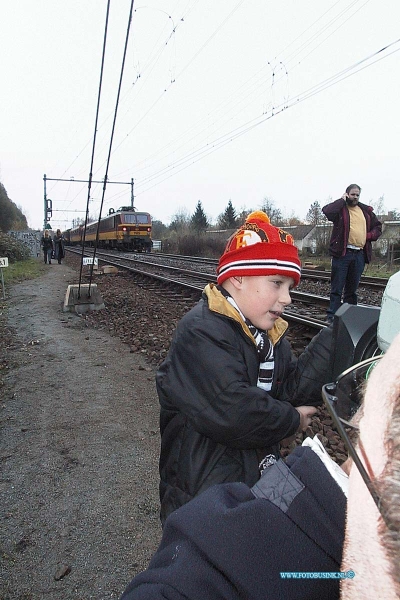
{"type": "Point", "coordinates": [375, 283]}
{"type": "Point", "coordinates": [188, 276]}
{"type": "Point", "coordinates": [307, 309]}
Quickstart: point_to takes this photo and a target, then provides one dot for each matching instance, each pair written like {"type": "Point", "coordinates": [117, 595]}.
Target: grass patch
{"type": "Point", "coordinates": [377, 268]}
{"type": "Point", "coordinates": [23, 269]}
{"type": "Point", "coordinates": [380, 269]}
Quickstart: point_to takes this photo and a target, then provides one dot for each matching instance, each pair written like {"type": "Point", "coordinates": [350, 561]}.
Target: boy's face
{"type": "Point", "coordinates": [262, 299]}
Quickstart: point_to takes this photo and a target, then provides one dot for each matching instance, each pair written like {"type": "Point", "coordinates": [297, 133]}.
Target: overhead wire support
{"type": "Point", "coordinates": [111, 142]}
{"type": "Point", "coordinates": [73, 180]}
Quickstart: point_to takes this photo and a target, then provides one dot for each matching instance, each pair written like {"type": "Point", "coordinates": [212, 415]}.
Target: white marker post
{"type": "Point", "coordinates": [89, 261]}
{"type": "Point", "coordinates": [3, 263]}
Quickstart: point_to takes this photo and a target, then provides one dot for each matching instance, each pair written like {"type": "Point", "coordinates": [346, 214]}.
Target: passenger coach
{"type": "Point", "coordinates": [124, 229]}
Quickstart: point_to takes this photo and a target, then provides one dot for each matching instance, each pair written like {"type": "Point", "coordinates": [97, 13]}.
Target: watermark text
{"type": "Point", "coordinates": [317, 575]}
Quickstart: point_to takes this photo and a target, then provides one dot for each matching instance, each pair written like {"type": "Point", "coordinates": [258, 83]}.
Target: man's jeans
{"type": "Point", "coordinates": [345, 278]}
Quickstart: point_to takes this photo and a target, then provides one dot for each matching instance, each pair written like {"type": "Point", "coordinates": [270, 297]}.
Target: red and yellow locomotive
{"type": "Point", "coordinates": [124, 229]}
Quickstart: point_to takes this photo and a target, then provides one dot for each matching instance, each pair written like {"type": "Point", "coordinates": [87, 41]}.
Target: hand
{"type": "Point", "coordinates": [306, 413]}
{"type": "Point", "coordinates": [345, 196]}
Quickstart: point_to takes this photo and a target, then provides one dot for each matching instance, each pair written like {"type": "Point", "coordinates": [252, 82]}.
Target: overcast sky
{"type": "Point", "coordinates": [221, 100]}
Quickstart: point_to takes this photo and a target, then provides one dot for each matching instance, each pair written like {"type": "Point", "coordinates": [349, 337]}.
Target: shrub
{"type": "Point", "coordinates": [13, 249]}
{"type": "Point", "coordinates": [194, 245]}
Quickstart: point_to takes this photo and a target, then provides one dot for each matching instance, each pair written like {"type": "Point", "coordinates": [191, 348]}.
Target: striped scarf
{"type": "Point", "coordinates": [264, 347]}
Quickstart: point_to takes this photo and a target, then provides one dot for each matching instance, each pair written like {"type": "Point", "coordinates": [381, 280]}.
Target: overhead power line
{"type": "Point", "coordinates": [111, 141]}
{"type": "Point", "coordinates": [249, 92]}
{"type": "Point", "coordinates": [196, 155]}
{"type": "Point", "coordinates": [94, 141]}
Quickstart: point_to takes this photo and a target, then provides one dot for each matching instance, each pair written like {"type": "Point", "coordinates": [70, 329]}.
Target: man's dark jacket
{"type": "Point", "coordinates": [338, 213]}
{"type": "Point", "coordinates": [216, 424]}
{"type": "Point", "coordinates": [233, 542]}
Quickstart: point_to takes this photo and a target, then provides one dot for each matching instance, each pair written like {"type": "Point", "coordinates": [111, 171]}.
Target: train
{"type": "Point", "coordinates": [122, 229]}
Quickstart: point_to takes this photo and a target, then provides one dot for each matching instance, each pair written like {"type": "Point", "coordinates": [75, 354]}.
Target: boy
{"type": "Point", "coordinates": [230, 388]}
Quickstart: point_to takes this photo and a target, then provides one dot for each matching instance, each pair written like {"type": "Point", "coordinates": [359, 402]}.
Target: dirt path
{"type": "Point", "coordinates": [78, 453]}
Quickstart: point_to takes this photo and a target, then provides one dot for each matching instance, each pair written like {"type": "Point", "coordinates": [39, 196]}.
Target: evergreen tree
{"type": "Point", "coordinates": [199, 222]}
{"type": "Point", "coordinates": [5, 210]}
{"type": "Point", "coordinates": [12, 217]}
{"type": "Point", "coordinates": [228, 219]}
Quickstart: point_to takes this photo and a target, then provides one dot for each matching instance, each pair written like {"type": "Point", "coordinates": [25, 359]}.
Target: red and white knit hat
{"type": "Point", "coordinates": [259, 248]}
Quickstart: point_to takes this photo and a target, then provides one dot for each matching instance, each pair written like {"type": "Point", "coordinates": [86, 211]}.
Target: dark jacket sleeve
{"type": "Point", "coordinates": [375, 230]}
{"type": "Point", "coordinates": [207, 378]}
{"type": "Point", "coordinates": [313, 370]}
{"type": "Point", "coordinates": [332, 210]}
{"type": "Point", "coordinates": [226, 543]}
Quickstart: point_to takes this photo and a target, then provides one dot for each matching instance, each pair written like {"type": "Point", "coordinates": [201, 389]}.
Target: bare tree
{"type": "Point", "coordinates": [293, 220]}
{"type": "Point", "coordinates": [315, 216]}
{"type": "Point", "coordinates": [244, 212]}
{"type": "Point", "coordinates": [180, 221]}
{"type": "Point", "coordinates": [393, 215]}
{"type": "Point", "coordinates": [274, 213]}
{"type": "Point", "coordinates": [379, 206]}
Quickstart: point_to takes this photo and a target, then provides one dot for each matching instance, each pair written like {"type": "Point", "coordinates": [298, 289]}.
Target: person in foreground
{"type": "Point", "coordinates": [355, 226]}
{"type": "Point", "coordinates": [372, 542]}
{"type": "Point", "coordinates": [236, 543]}
{"type": "Point", "coordinates": [230, 389]}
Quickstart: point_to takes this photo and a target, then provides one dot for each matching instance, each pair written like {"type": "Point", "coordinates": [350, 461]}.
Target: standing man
{"type": "Point", "coordinates": [355, 226]}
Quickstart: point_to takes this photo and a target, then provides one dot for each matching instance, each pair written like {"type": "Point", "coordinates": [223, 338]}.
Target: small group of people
{"type": "Point", "coordinates": [53, 247]}
{"type": "Point", "coordinates": [239, 522]}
